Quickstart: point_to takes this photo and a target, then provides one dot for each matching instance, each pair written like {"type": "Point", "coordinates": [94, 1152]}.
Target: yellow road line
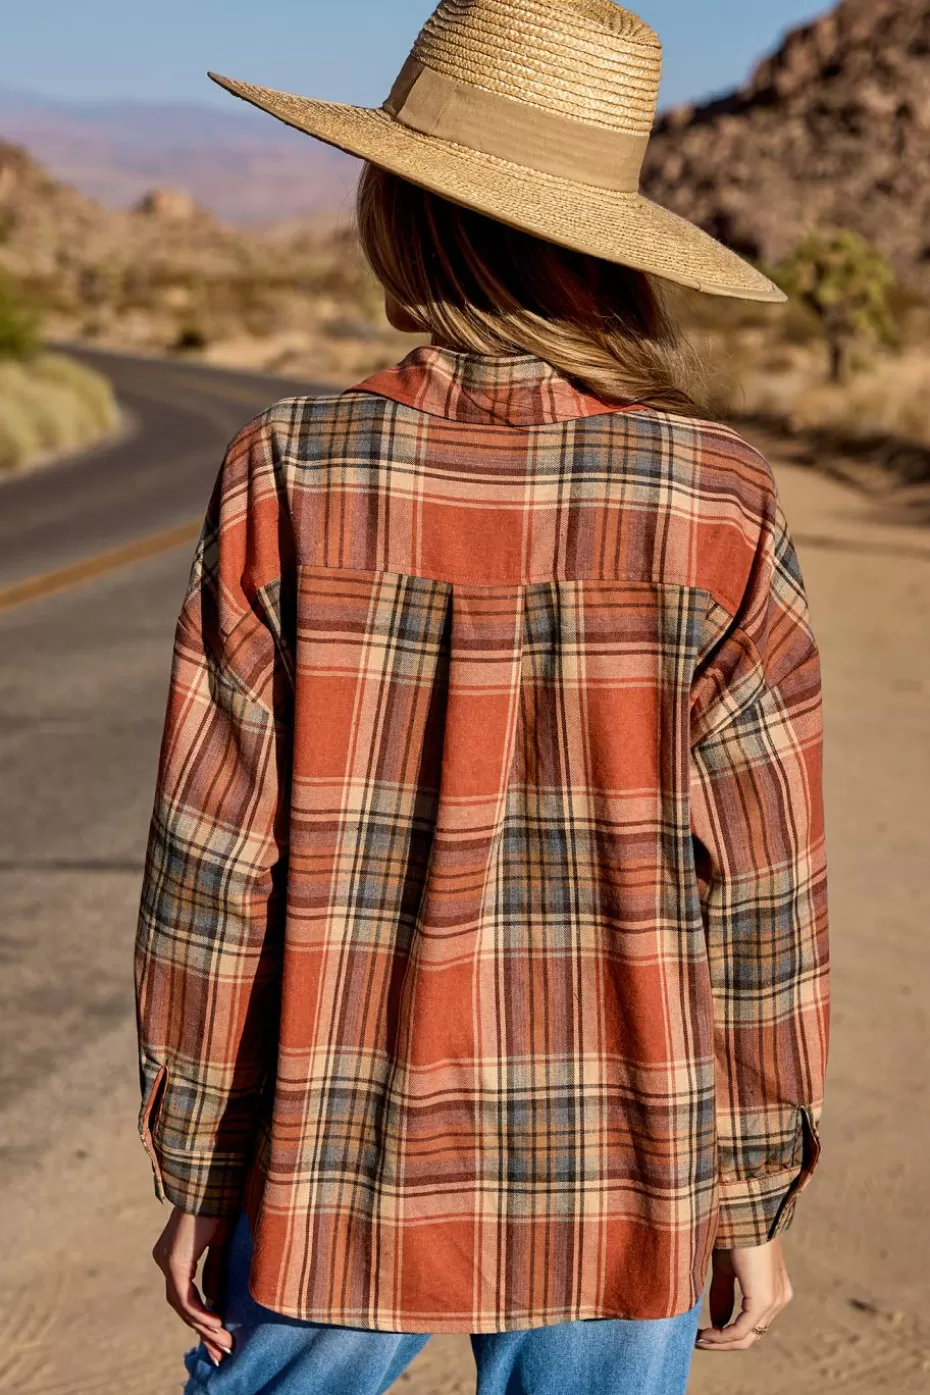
{"type": "Point", "coordinates": [34, 588]}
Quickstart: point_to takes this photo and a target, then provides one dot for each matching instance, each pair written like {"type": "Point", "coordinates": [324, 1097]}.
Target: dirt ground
{"type": "Point", "coordinates": [80, 1302]}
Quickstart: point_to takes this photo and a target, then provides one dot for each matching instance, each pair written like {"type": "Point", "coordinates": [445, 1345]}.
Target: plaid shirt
{"type": "Point", "coordinates": [483, 951]}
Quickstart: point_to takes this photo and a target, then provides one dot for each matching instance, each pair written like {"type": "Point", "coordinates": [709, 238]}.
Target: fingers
{"type": "Point", "coordinates": [183, 1297]}
{"type": "Point", "coordinates": [766, 1292]}
{"type": "Point", "coordinates": [751, 1325]}
{"type": "Point", "coordinates": [177, 1254]}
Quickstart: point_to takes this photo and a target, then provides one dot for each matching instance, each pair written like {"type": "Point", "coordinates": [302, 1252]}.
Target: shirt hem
{"type": "Point", "coordinates": [465, 1323]}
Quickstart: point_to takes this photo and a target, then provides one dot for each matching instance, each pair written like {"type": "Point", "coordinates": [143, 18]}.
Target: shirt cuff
{"type": "Point", "coordinates": [202, 1184]}
{"type": "Point", "coordinates": [755, 1210]}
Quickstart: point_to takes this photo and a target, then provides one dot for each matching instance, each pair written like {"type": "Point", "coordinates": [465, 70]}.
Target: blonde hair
{"type": "Point", "coordinates": [476, 284]}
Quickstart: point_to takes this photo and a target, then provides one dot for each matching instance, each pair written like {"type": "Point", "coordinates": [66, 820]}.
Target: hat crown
{"type": "Point", "coordinates": [536, 113]}
{"type": "Point", "coordinates": [589, 60]}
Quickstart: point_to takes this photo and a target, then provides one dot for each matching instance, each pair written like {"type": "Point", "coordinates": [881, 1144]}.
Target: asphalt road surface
{"type": "Point", "coordinates": [180, 416]}
{"type": "Point", "coordinates": [83, 679]}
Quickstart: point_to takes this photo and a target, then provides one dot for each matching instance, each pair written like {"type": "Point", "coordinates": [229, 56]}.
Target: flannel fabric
{"type": "Point", "coordinates": [482, 951]}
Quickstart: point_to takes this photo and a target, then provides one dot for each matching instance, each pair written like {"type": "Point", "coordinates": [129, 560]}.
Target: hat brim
{"type": "Point", "coordinates": [620, 227]}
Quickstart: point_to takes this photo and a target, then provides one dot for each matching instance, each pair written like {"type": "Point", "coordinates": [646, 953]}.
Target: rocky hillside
{"type": "Point", "coordinates": [168, 275]}
{"type": "Point", "coordinates": [48, 230]}
{"type": "Point", "coordinates": [834, 127]}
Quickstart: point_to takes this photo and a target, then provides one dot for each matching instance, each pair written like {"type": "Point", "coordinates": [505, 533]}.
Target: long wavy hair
{"type": "Point", "coordinates": [476, 284]}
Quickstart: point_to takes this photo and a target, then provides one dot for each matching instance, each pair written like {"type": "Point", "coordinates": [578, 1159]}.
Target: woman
{"type": "Point", "coordinates": [482, 962]}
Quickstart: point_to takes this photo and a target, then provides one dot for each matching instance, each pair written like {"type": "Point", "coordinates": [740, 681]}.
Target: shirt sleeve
{"type": "Point", "coordinates": [757, 819]}
{"type": "Point", "coordinates": [208, 947]}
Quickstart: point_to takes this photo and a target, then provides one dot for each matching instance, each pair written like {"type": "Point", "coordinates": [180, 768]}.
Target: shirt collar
{"type": "Point", "coordinates": [483, 389]}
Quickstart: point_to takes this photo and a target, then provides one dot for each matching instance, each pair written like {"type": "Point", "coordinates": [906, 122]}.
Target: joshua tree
{"type": "Point", "coordinates": [847, 283]}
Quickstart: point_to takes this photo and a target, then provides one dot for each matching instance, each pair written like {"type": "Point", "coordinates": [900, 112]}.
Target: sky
{"type": "Point", "coordinates": [343, 50]}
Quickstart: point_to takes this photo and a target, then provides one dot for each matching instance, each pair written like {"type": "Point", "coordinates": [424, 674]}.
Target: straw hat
{"type": "Point", "coordinates": [537, 113]}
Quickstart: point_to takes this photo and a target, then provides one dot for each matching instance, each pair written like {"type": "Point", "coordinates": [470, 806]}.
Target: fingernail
{"type": "Point", "coordinates": [214, 1359]}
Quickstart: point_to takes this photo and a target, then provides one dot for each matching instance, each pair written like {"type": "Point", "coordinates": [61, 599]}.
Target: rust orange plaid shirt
{"type": "Point", "coordinates": [483, 942]}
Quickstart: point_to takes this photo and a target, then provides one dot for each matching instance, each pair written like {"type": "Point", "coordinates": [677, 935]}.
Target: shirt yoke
{"type": "Point", "coordinates": [631, 495]}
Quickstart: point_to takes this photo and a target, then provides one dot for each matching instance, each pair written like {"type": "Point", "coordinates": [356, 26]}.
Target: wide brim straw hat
{"type": "Point", "coordinates": [537, 113]}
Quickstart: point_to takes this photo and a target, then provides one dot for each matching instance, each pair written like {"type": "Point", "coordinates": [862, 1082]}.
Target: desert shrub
{"type": "Point", "coordinates": [19, 328]}
{"type": "Point", "coordinates": [849, 286]}
{"type": "Point", "coordinates": [50, 404]}
{"type": "Point", "coordinates": [20, 434]}
{"type": "Point", "coordinates": [91, 390]}
{"type": "Point", "coordinates": [893, 399]}
{"type": "Point", "coordinates": [190, 339]}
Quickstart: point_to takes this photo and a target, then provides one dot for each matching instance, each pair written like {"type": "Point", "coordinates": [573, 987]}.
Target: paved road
{"type": "Point", "coordinates": [82, 689]}
{"type": "Point", "coordinates": [180, 418]}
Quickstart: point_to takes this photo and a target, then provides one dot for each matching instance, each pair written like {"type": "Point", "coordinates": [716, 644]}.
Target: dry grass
{"type": "Point", "coordinates": [50, 404]}
{"type": "Point", "coordinates": [772, 363]}
{"type": "Point", "coordinates": [891, 398]}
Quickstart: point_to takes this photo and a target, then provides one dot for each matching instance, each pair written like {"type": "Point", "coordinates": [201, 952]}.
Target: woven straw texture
{"type": "Point", "coordinates": [592, 62]}
{"type": "Point", "coordinates": [586, 61]}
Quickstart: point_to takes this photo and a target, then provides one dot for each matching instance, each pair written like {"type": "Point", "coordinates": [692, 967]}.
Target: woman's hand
{"type": "Point", "coordinates": [765, 1289]}
{"type": "Point", "coordinates": [177, 1253]}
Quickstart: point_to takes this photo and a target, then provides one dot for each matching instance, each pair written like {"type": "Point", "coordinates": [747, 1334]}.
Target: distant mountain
{"type": "Point", "coordinates": [833, 128]}
{"type": "Point", "coordinates": [240, 164]}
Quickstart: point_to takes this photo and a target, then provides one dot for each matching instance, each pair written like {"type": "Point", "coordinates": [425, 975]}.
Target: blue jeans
{"type": "Point", "coordinates": [276, 1355]}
